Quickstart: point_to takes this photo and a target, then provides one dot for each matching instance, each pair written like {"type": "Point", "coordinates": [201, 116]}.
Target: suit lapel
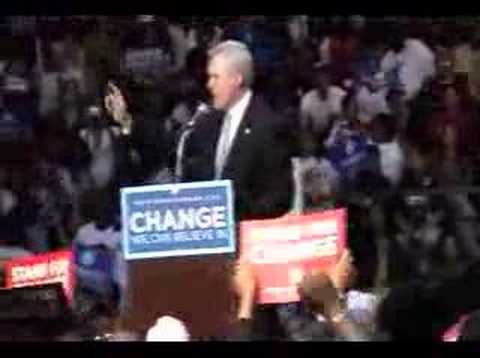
{"type": "Point", "coordinates": [243, 133]}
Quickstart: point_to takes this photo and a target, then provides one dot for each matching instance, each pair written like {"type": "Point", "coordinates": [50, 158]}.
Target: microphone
{"type": "Point", "coordinates": [202, 108]}
{"type": "Point", "coordinates": [185, 131]}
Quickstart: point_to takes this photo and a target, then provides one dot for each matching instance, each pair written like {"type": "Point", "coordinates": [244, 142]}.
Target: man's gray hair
{"type": "Point", "coordinates": [239, 57]}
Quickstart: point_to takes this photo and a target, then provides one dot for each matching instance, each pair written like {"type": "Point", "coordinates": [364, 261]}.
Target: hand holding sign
{"type": "Point", "coordinates": [343, 272]}
{"type": "Point", "coordinates": [244, 285]}
{"type": "Point", "coordinates": [283, 251]}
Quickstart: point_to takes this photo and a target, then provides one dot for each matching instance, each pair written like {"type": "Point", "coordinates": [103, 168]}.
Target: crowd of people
{"type": "Point", "coordinates": [372, 115]}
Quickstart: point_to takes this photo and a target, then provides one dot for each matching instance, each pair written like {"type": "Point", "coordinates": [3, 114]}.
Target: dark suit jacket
{"type": "Point", "coordinates": [258, 163]}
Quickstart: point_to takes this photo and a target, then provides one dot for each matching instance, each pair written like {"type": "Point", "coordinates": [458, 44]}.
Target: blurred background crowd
{"type": "Point", "coordinates": [384, 110]}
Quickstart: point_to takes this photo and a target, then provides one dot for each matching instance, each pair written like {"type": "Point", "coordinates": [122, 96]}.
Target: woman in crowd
{"type": "Point", "coordinates": [140, 134]}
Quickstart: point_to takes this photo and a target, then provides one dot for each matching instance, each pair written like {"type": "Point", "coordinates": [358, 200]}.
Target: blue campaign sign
{"type": "Point", "coordinates": [178, 220]}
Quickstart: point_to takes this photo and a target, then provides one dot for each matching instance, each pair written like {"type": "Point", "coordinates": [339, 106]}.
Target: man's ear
{"type": "Point", "coordinates": [239, 80]}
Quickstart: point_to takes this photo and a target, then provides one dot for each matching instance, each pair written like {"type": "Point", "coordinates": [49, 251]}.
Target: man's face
{"type": "Point", "coordinates": [223, 83]}
{"type": "Point", "coordinates": [322, 81]}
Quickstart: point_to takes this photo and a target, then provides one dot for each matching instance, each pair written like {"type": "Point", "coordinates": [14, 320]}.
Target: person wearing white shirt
{"type": "Point", "coordinates": [242, 139]}
{"type": "Point", "coordinates": [371, 99]}
{"type": "Point", "coordinates": [234, 117]}
{"type": "Point", "coordinates": [322, 103]}
{"type": "Point", "coordinates": [392, 161]}
{"type": "Point", "coordinates": [298, 28]}
{"type": "Point", "coordinates": [416, 63]}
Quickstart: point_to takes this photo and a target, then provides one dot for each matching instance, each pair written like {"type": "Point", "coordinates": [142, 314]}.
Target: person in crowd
{"type": "Point", "coordinates": [70, 102]}
{"type": "Point", "coordinates": [248, 144]}
{"type": "Point", "coordinates": [424, 310]}
{"type": "Point", "coordinates": [181, 43]}
{"type": "Point", "coordinates": [49, 197]}
{"type": "Point", "coordinates": [100, 142]}
{"type": "Point", "coordinates": [100, 268]}
{"type": "Point", "coordinates": [253, 322]}
{"type": "Point", "coordinates": [474, 79]}
{"type": "Point", "coordinates": [371, 100]}
{"type": "Point", "coordinates": [191, 88]}
{"type": "Point", "coordinates": [453, 127]}
{"type": "Point", "coordinates": [444, 58]}
{"type": "Point", "coordinates": [168, 329]}
{"type": "Point", "coordinates": [317, 184]}
{"type": "Point", "coordinates": [462, 52]}
{"type": "Point", "coordinates": [320, 184]}
{"type": "Point", "coordinates": [469, 328]}
{"type": "Point", "coordinates": [392, 158]}
{"type": "Point", "coordinates": [409, 59]}
{"type": "Point", "coordinates": [324, 300]}
{"type": "Point", "coordinates": [320, 106]}
{"type": "Point", "coordinates": [300, 60]}
{"type": "Point", "coordinates": [329, 309]}
{"type": "Point", "coordinates": [19, 99]}
{"type": "Point", "coordinates": [102, 54]}
{"type": "Point", "coordinates": [142, 146]}
{"type": "Point", "coordinates": [452, 137]}
{"type": "Point", "coordinates": [196, 68]}
{"type": "Point", "coordinates": [340, 49]}
{"type": "Point", "coordinates": [12, 239]}
{"type": "Point", "coordinates": [298, 29]}
{"type": "Point", "coordinates": [352, 155]}
{"type": "Point", "coordinates": [361, 305]}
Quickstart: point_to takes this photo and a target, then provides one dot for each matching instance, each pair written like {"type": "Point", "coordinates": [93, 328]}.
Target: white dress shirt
{"type": "Point", "coordinates": [229, 130]}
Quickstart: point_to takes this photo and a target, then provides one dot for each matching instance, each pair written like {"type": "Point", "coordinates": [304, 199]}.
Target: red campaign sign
{"type": "Point", "coordinates": [283, 250]}
{"type": "Point", "coordinates": [54, 267]}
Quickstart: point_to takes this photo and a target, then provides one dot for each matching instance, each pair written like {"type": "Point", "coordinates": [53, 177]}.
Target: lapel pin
{"type": "Point", "coordinates": [247, 131]}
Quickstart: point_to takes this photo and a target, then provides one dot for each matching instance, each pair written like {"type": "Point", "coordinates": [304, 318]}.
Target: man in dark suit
{"type": "Point", "coordinates": [242, 139]}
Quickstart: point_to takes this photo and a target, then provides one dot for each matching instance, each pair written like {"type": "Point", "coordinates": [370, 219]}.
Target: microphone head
{"type": "Point", "coordinates": [203, 108]}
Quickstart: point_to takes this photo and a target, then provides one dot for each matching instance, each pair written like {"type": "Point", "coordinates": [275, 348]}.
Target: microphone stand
{"type": "Point", "coordinates": [185, 133]}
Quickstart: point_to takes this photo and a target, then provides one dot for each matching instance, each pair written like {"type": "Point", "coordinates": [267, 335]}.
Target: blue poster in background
{"type": "Point", "coordinates": [178, 220]}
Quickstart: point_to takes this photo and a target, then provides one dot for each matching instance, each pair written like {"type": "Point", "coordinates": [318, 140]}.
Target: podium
{"type": "Point", "coordinates": [196, 290]}
{"type": "Point", "coordinates": [179, 241]}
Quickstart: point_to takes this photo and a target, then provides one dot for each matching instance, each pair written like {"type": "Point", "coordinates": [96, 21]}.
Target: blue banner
{"type": "Point", "coordinates": [178, 220]}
